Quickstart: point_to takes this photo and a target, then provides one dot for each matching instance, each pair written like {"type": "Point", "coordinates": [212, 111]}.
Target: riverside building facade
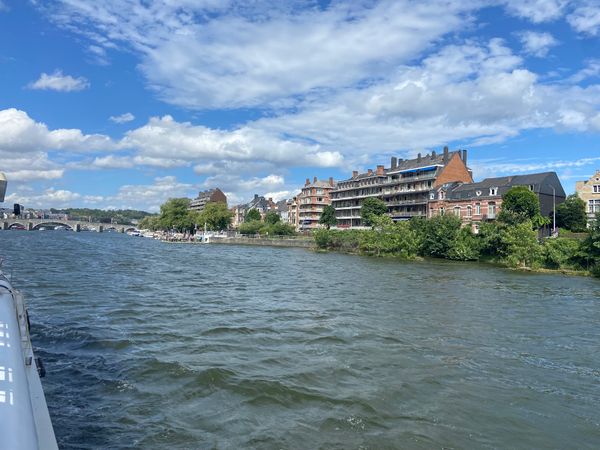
{"type": "Point", "coordinates": [208, 196]}
{"type": "Point", "coordinates": [589, 192]}
{"type": "Point", "coordinates": [404, 187]}
{"type": "Point", "coordinates": [479, 202]}
{"type": "Point", "coordinates": [311, 201]}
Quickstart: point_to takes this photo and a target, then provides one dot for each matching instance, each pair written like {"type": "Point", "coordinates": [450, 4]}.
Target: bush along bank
{"type": "Point", "coordinates": [511, 244]}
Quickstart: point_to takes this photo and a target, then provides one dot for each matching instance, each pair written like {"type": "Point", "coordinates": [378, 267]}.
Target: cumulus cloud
{"type": "Point", "coordinates": [586, 18]}
{"type": "Point", "coordinates": [59, 82]}
{"type": "Point", "coordinates": [537, 11]}
{"type": "Point", "coordinates": [51, 198]}
{"type": "Point", "coordinates": [164, 140]}
{"type": "Point", "coordinates": [537, 44]}
{"type": "Point", "coordinates": [123, 118]}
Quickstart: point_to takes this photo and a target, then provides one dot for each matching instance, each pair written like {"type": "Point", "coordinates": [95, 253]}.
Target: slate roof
{"type": "Point", "coordinates": [540, 181]}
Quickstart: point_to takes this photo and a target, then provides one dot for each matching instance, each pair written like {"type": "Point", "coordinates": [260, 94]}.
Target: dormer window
{"type": "Point", "coordinates": [432, 196]}
{"type": "Point", "coordinates": [493, 191]}
{"type": "Point", "coordinates": [478, 193]}
{"type": "Point", "coordinates": [531, 187]}
{"type": "Point", "coordinates": [442, 195]}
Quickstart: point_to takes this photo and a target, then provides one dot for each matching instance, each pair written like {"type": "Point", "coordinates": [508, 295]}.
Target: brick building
{"type": "Point", "coordinates": [478, 202]}
{"type": "Point", "coordinates": [589, 192]}
{"type": "Point", "coordinates": [311, 201]}
{"type": "Point", "coordinates": [208, 196]}
{"type": "Point", "coordinates": [404, 187]}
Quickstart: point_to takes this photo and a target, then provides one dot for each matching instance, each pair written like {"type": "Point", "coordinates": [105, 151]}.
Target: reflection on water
{"type": "Point", "coordinates": [153, 345]}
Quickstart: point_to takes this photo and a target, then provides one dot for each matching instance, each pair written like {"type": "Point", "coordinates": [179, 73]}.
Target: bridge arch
{"type": "Point", "coordinates": [52, 223]}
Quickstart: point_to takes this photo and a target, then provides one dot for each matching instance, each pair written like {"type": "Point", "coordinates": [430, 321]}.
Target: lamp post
{"type": "Point", "coordinates": [553, 210]}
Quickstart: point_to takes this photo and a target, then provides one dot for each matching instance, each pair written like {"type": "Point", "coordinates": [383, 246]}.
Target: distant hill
{"type": "Point", "coordinates": [120, 216]}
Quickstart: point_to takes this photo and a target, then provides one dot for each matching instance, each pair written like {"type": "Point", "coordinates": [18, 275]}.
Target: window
{"type": "Point", "coordinates": [469, 211]}
{"type": "Point", "coordinates": [597, 188]}
{"type": "Point", "coordinates": [432, 196]}
{"type": "Point", "coordinates": [594, 206]}
{"type": "Point", "coordinates": [457, 211]}
{"type": "Point", "coordinates": [492, 210]}
{"type": "Point", "coordinates": [494, 191]}
{"type": "Point", "coordinates": [532, 187]}
{"type": "Point", "coordinates": [442, 195]}
{"type": "Point", "coordinates": [442, 211]}
{"type": "Point", "coordinates": [478, 193]}
{"type": "Point", "coordinates": [477, 209]}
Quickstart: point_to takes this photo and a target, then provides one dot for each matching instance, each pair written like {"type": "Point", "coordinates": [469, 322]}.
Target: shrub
{"type": "Point", "coordinates": [560, 252]}
{"type": "Point", "coordinates": [251, 227]}
{"type": "Point", "coordinates": [520, 245]}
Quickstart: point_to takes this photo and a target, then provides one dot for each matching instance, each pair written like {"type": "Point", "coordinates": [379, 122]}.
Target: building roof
{"type": "Point", "coordinates": [541, 181]}
{"type": "Point", "coordinates": [431, 161]}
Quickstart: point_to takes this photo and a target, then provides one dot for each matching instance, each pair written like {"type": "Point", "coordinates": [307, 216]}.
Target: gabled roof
{"type": "Point", "coordinates": [539, 180]}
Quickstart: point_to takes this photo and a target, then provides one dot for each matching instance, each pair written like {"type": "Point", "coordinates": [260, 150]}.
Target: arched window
{"type": "Point", "coordinates": [469, 211]}
{"type": "Point", "coordinates": [457, 211]}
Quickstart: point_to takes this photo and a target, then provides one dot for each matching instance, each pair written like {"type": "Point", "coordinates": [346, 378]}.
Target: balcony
{"type": "Point", "coordinates": [407, 202]}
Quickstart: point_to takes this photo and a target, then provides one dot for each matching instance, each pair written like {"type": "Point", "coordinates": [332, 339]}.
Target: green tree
{"type": "Point", "coordinates": [175, 215]}
{"type": "Point", "coordinates": [251, 215]}
{"type": "Point", "coordinates": [272, 218]}
{"type": "Point", "coordinates": [571, 214]}
{"type": "Point", "coordinates": [215, 215]}
{"type": "Point", "coordinates": [590, 248]}
{"type": "Point", "coordinates": [250, 227]}
{"type": "Point", "coordinates": [328, 217]}
{"type": "Point", "coordinates": [520, 204]}
{"type": "Point", "coordinates": [371, 208]}
{"type": "Point", "coordinates": [439, 235]}
{"type": "Point", "coordinates": [521, 246]}
{"type": "Point", "coordinates": [150, 223]}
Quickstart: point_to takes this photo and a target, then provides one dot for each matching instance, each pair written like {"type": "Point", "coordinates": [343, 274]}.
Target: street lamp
{"type": "Point", "coordinates": [553, 210]}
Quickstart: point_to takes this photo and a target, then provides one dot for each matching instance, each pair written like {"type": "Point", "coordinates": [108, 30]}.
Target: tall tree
{"type": "Point", "coordinates": [328, 217]}
{"type": "Point", "coordinates": [215, 215]}
{"type": "Point", "coordinates": [520, 204]}
{"type": "Point", "coordinates": [272, 218]}
{"type": "Point", "coordinates": [175, 215]}
{"type": "Point", "coordinates": [571, 214]}
{"type": "Point", "coordinates": [251, 215]}
{"type": "Point", "coordinates": [372, 207]}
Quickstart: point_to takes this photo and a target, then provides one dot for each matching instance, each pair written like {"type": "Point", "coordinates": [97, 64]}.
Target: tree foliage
{"type": "Point", "coordinates": [571, 214]}
{"type": "Point", "coordinates": [328, 217]}
{"type": "Point", "coordinates": [175, 215]}
{"type": "Point", "coordinates": [372, 208]}
{"type": "Point", "coordinates": [272, 218]}
{"type": "Point", "coordinates": [252, 214]}
{"type": "Point", "coordinates": [215, 215]}
{"type": "Point", "coordinates": [520, 204]}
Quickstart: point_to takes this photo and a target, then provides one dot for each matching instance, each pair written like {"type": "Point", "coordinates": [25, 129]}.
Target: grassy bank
{"type": "Point", "coordinates": [509, 245]}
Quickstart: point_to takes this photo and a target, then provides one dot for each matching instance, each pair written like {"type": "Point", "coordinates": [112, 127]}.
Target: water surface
{"type": "Point", "coordinates": [152, 345]}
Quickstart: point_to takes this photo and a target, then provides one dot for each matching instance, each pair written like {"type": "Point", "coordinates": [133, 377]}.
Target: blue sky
{"type": "Point", "coordinates": [123, 104]}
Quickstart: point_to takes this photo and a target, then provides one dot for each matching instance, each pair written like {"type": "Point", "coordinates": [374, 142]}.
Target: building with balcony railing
{"type": "Point", "coordinates": [307, 207]}
{"type": "Point", "coordinates": [589, 192]}
{"type": "Point", "coordinates": [404, 187]}
{"type": "Point", "coordinates": [479, 202]}
{"type": "Point", "coordinates": [208, 196]}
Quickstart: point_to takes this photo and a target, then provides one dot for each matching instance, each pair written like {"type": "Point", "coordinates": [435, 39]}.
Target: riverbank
{"type": "Point", "coordinates": [296, 242]}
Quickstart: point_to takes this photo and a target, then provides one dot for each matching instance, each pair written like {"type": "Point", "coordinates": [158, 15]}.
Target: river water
{"type": "Point", "coordinates": [153, 345]}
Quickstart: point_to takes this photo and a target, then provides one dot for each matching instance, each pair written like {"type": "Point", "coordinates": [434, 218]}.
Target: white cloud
{"type": "Point", "coordinates": [241, 57]}
{"type": "Point", "coordinates": [537, 44]}
{"type": "Point", "coordinates": [586, 18]}
{"type": "Point", "coordinates": [3, 6]}
{"type": "Point", "coordinates": [51, 198]}
{"type": "Point", "coordinates": [59, 82]}
{"type": "Point", "coordinates": [164, 141]}
{"type": "Point", "coordinates": [150, 197]}
{"type": "Point", "coordinates": [123, 118]}
{"type": "Point", "coordinates": [537, 11]}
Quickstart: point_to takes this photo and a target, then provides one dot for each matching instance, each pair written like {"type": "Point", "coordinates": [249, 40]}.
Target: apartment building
{"type": "Point", "coordinates": [589, 192]}
{"type": "Point", "coordinates": [311, 201]}
{"type": "Point", "coordinates": [208, 196]}
{"type": "Point", "coordinates": [478, 202]}
{"type": "Point", "coordinates": [404, 187]}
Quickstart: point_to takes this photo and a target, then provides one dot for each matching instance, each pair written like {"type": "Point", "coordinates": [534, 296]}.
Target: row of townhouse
{"type": "Point", "coordinates": [436, 184]}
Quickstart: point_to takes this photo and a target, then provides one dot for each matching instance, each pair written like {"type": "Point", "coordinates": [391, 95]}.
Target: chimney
{"type": "Point", "coordinates": [354, 173]}
{"type": "Point", "coordinates": [270, 199]}
{"type": "Point", "coordinates": [464, 157]}
{"type": "Point", "coordinates": [380, 170]}
{"type": "Point", "coordinates": [314, 179]}
{"type": "Point", "coordinates": [330, 181]}
{"type": "Point", "coordinates": [369, 172]}
{"type": "Point", "coordinates": [433, 154]}
{"type": "Point", "coordinates": [445, 155]}
{"type": "Point", "coordinates": [255, 196]}
{"type": "Point", "coordinates": [394, 162]}
{"type": "Point", "coordinates": [419, 157]}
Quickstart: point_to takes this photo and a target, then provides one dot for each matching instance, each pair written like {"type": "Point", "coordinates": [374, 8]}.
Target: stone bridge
{"type": "Point", "coordinates": [75, 225]}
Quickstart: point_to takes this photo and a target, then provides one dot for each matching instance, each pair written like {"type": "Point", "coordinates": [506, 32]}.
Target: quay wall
{"type": "Point", "coordinates": [279, 242]}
